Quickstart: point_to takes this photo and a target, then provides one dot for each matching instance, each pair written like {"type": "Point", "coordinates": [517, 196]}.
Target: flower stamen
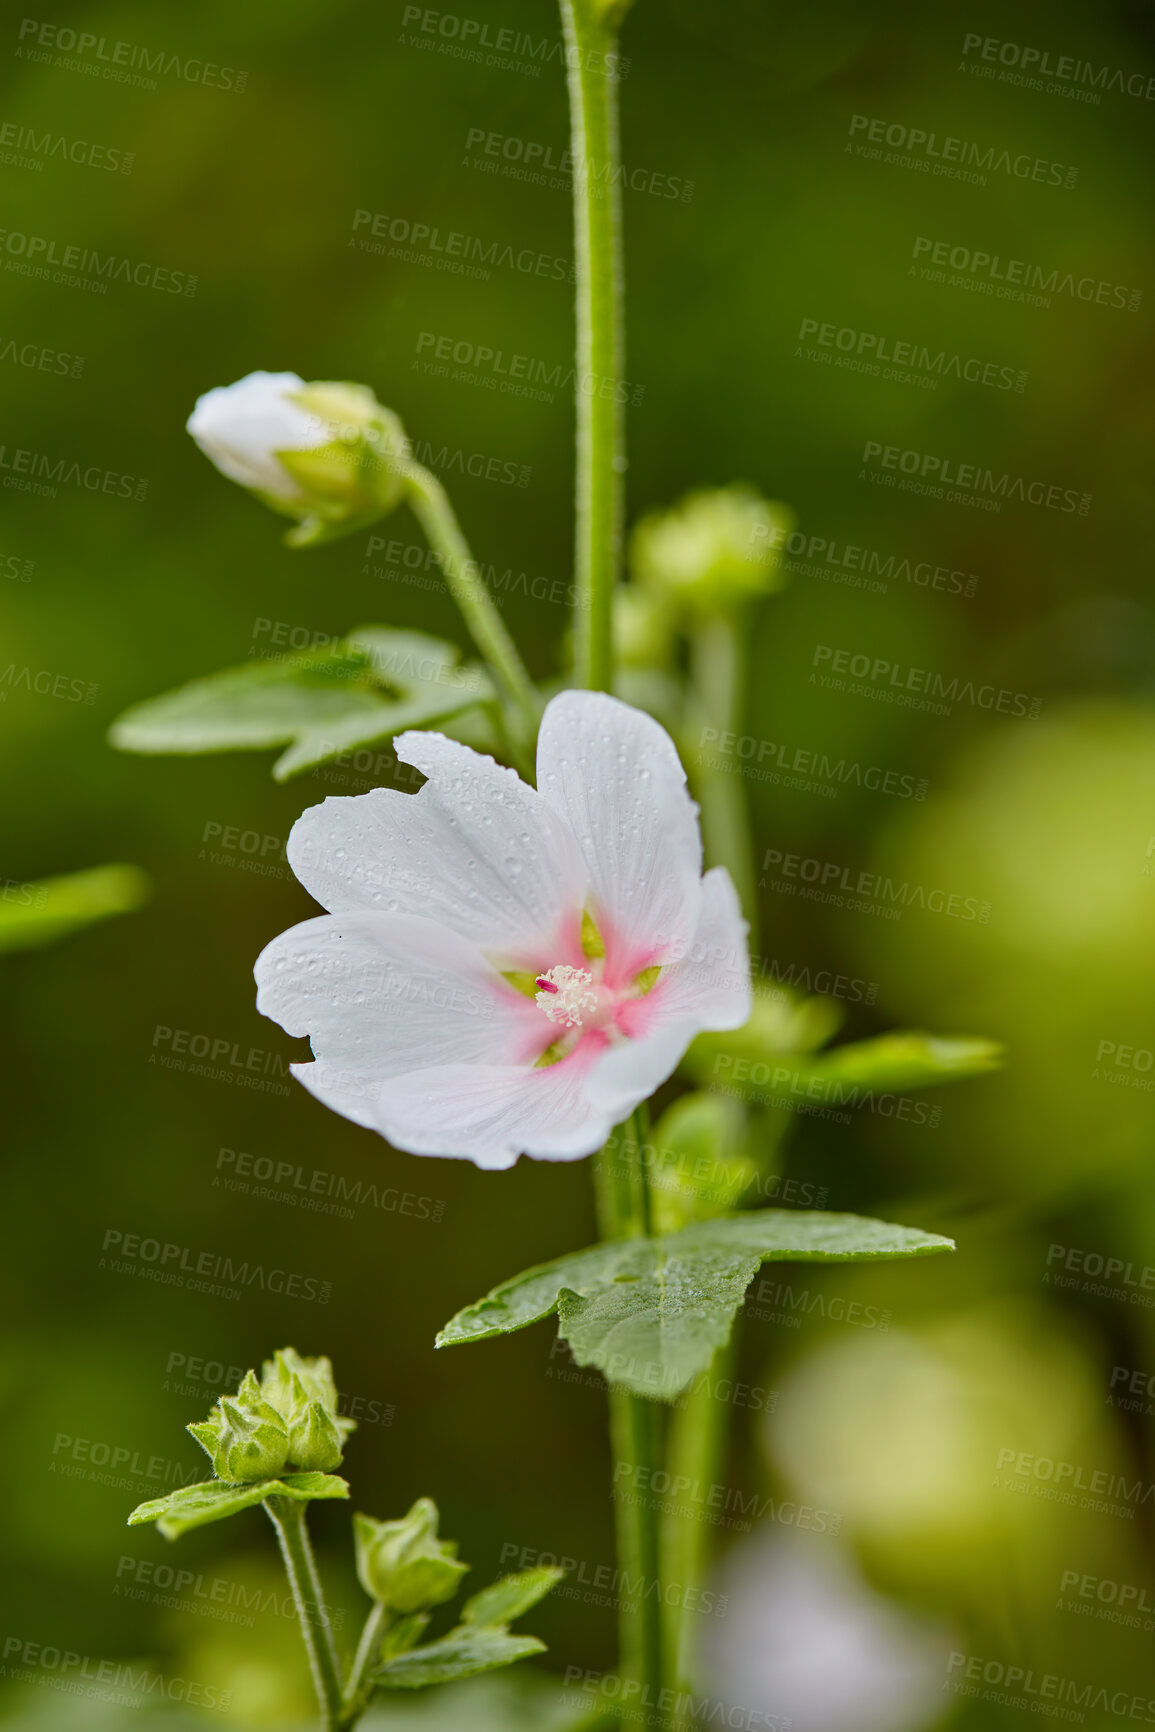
{"type": "Point", "coordinates": [565, 994]}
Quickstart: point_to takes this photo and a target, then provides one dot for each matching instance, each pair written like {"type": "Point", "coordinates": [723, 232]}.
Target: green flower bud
{"type": "Point", "coordinates": [244, 1437]}
{"type": "Point", "coordinates": [714, 550]}
{"type": "Point", "coordinates": [314, 1440]}
{"type": "Point", "coordinates": [643, 627]}
{"type": "Point", "coordinates": [403, 1564]}
{"type": "Point", "coordinates": [304, 1393]}
{"type": "Point", "coordinates": [327, 454]}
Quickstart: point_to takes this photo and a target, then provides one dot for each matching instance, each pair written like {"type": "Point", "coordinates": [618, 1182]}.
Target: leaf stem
{"type": "Point", "coordinates": [430, 505]}
{"type": "Point", "coordinates": [288, 1517]}
{"type": "Point", "coordinates": [622, 1192]}
{"type": "Point", "coordinates": [359, 1688]}
{"type": "Point", "coordinates": [590, 36]}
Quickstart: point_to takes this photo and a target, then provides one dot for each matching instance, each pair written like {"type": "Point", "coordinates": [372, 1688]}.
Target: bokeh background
{"type": "Point", "coordinates": [912, 1434]}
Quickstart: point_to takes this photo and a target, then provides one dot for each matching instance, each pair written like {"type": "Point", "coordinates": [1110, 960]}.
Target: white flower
{"type": "Point", "coordinates": [504, 970]}
{"type": "Point", "coordinates": [242, 427]}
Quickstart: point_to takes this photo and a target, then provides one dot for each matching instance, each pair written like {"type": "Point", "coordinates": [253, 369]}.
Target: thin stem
{"type": "Point", "coordinates": [695, 1451]}
{"type": "Point", "coordinates": [622, 1191]}
{"type": "Point", "coordinates": [288, 1517]}
{"type": "Point", "coordinates": [719, 660]}
{"type": "Point", "coordinates": [430, 505]}
{"type": "Point", "coordinates": [590, 37]}
{"type": "Point", "coordinates": [359, 1687]}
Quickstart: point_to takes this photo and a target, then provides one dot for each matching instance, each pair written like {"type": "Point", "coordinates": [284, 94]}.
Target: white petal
{"type": "Point", "coordinates": [612, 772]}
{"type": "Point", "coordinates": [710, 985]}
{"type": "Point", "coordinates": [240, 427]}
{"type": "Point", "coordinates": [629, 1073]}
{"type": "Point", "coordinates": [490, 1114]}
{"type": "Point", "coordinates": [381, 995]}
{"type": "Point", "coordinates": [477, 850]}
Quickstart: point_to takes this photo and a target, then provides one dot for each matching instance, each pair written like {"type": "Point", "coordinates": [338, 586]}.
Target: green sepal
{"type": "Point", "coordinates": [316, 703]}
{"type": "Point", "coordinates": [469, 1649]}
{"type": "Point", "coordinates": [51, 908]}
{"type": "Point", "coordinates": [193, 1506]}
{"type": "Point", "coordinates": [403, 1634]}
{"type": "Point", "coordinates": [651, 1313]}
{"type": "Point", "coordinates": [511, 1597]}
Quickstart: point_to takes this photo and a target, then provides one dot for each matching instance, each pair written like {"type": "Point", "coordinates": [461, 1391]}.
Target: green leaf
{"type": "Point", "coordinates": [192, 1506]}
{"type": "Point", "coordinates": [318, 703]}
{"type": "Point", "coordinates": [511, 1597]}
{"type": "Point", "coordinates": [781, 1022]}
{"type": "Point", "coordinates": [469, 1649]}
{"type": "Point", "coordinates": [908, 1061]}
{"type": "Point", "coordinates": [39, 913]}
{"type": "Point", "coordinates": [651, 1313]}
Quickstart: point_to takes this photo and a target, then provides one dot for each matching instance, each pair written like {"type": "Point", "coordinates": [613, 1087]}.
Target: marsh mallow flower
{"type": "Point", "coordinates": [327, 454]}
{"type": "Point", "coordinates": [503, 969]}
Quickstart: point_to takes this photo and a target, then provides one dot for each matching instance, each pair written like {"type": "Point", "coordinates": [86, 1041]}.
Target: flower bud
{"type": "Point", "coordinates": [304, 1393]}
{"type": "Point", "coordinates": [244, 1437]}
{"type": "Point", "coordinates": [403, 1564]}
{"type": "Point", "coordinates": [325, 453]}
{"type": "Point", "coordinates": [713, 550]}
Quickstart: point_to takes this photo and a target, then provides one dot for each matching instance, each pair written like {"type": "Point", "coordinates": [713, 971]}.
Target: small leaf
{"type": "Point", "coordinates": [781, 1023]}
{"type": "Point", "coordinates": [700, 1170]}
{"type": "Point", "coordinates": [192, 1506]}
{"type": "Point", "coordinates": [317, 703]}
{"type": "Point", "coordinates": [651, 1313]}
{"type": "Point", "coordinates": [469, 1649]}
{"type": "Point", "coordinates": [906, 1061]}
{"type": "Point", "coordinates": [510, 1598]}
{"type": "Point", "coordinates": [39, 913]}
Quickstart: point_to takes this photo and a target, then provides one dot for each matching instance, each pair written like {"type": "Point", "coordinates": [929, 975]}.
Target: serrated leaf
{"type": "Point", "coordinates": [510, 1598]}
{"type": "Point", "coordinates": [317, 703]}
{"type": "Point", "coordinates": [469, 1649]}
{"type": "Point", "coordinates": [651, 1313]}
{"type": "Point", "coordinates": [39, 913]}
{"type": "Point", "coordinates": [193, 1506]}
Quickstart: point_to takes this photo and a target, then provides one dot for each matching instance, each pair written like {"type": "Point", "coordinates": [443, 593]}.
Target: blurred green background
{"type": "Point", "coordinates": [915, 1434]}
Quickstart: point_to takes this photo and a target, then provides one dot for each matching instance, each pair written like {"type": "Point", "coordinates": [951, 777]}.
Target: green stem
{"type": "Point", "coordinates": [622, 1192]}
{"type": "Point", "coordinates": [430, 505]}
{"type": "Point", "coordinates": [590, 35]}
{"type": "Point", "coordinates": [288, 1517]}
{"type": "Point", "coordinates": [359, 1688]}
{"type": "Point", "coordinates": [719, 661]}
{"type": "Point", "coordinates": [696, 1444]}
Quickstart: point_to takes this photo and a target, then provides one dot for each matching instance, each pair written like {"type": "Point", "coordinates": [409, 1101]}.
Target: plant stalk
{"type": "Point", "coordinates": [622, 1192]}
{"type": "Point", "coordinates": [718, 677]}
{"type": "Point", "coordinates": [430, 505]}
{"type": "Point", "coordinates": [288, 1517]}
{"type": "Point", "coordinates": [358, 1689]}
{"type": "Point", "coordinates": [591, 35]}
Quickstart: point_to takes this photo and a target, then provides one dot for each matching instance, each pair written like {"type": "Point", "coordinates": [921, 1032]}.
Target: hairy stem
{"type": "Point", "coordinates": [288, 1517]}
{"type": "Point", "coordinates": [591, 36]}
{"type": "Point", "coordinates": [718, 672]}
{"type": "Point", "coordinates": [430, 505]}
{"type": "Point", "coordinates": [360, 1688]}
{"type": "Point", "coordinates": [622, 1191]}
